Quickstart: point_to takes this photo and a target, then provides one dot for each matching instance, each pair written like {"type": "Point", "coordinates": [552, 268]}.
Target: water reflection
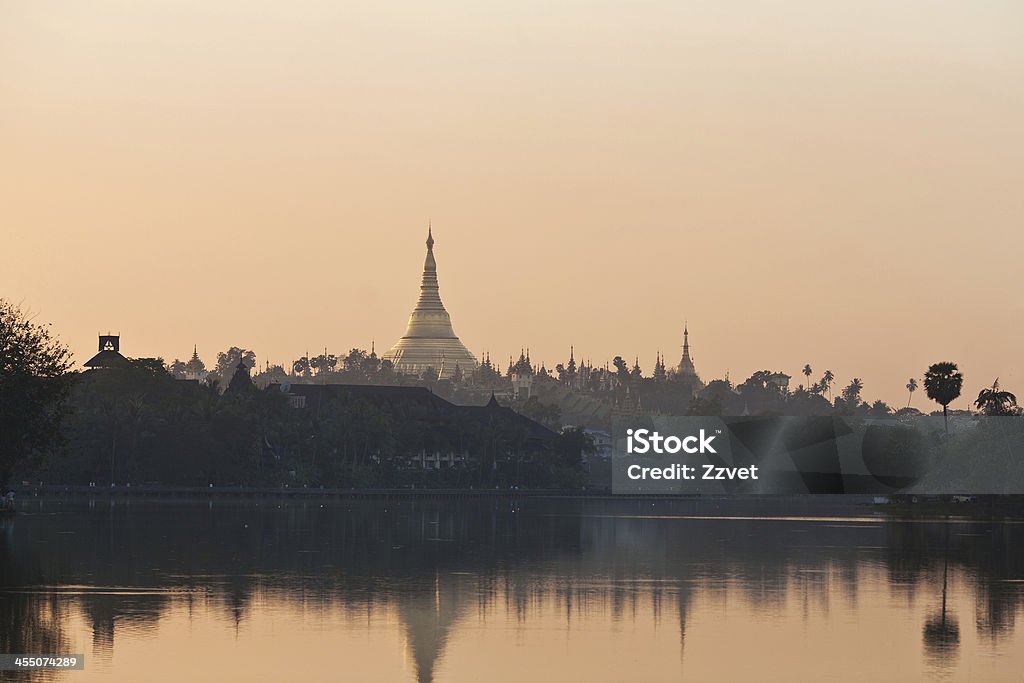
{"type": "Point", "coordinates": [942, 631]}
{"type": "Point", "coordinates": [542, 589]}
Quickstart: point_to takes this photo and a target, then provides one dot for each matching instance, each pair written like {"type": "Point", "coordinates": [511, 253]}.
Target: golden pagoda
{"type": "Point", "coordinates": [686, 369]}
{"type": "Point", "coordinates": [429, 340]}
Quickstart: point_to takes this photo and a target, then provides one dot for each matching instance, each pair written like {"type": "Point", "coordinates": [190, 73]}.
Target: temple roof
{"type": "Point", "coordinates": [106, 359]}
{"type": "Point", "coordinates": [401, 400]}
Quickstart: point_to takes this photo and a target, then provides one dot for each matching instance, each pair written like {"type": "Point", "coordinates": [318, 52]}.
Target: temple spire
{"type": "Point", "coordinates": [429, 332]}
{"type": "Point", "coordinates": [430, 298]}
{"type": "Point", "coordinates": [686, 367]}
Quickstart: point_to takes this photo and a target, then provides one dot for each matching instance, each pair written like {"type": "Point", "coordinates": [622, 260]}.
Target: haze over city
{"type": "Point", "coordinates": [803, 183]}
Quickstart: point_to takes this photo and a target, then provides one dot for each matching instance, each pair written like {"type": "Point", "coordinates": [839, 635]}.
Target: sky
{"type": "Point", "coordinates": [838, 184]}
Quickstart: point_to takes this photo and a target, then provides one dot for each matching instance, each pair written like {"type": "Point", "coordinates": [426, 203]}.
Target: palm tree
{"type": "Point", "coordinates": [942, 383]}
{"type": "Point", "coordinates": [995, 401]}
{"type": "Point", "coordinates": [851, 394]}
{"type": "Point", "coordinates": [807, 373]}
{"type": "Point", "coordinates": [943, 633]}
{"type": "Point", "coordinates": [911, 387]}
{"type": "Point", "coordinates": [826, 382]}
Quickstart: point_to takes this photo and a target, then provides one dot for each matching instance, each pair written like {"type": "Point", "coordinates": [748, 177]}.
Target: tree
{"type": "Point", "coordinates": [227, 363]}
{"type": "Point", "coordinates": [826, 382]}
{"type": "Point", "coordinates": [851, 394]}
{"type": "Point", "coordinates": [879, 409]}
{"type": "Point", "coordinates": [995, 401]}
{"type": "Point", "coordinates": [911, 387]}
{"type": "Point", "coordinates": [807, 373]}
{"type": "Point", "coordinates": [548, 414]}
{"type": "Point", "coordinates": [705, 405]}
{"type": "Point", "coordinates": [325, 362]}
{"type": "Point", "coordinates": [621, 368]}
{"type": "Point", "coordinates": [34, 384]}
{"type": "Point", "coordinates": [942, 383]}
{"type": "Point", "coordinates": [757, 382]}
{"type": "Point", "coordinates": [571, 445]}
{"type": "Point", "coordinates": [355, 362]}
{"type": "Point", "coordinates": [178, 368]}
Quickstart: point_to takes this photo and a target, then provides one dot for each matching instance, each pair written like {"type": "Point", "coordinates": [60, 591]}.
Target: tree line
{"type": "Point", "coordinates": [143, 425]}
{"type": "Point", "coordinates": [140, 424]}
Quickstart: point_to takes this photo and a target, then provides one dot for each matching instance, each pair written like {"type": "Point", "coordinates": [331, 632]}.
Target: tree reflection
{"type": "Point", "coordinates": [942, 632]}
{"type": "Point", "coordinates": [431, 562]}
{"type": "Point", "coordinates": [31, 621]}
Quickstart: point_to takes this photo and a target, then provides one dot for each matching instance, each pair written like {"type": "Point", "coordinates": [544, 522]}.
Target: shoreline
{"type": "Point", "coordinates": [896, 507]}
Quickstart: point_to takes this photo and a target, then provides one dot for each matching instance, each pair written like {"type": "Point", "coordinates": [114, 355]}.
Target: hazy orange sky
{"type": "Point", "coordinates": [840, 183]}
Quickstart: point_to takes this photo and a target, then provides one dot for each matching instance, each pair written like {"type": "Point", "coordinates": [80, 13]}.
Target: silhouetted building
{"type": "Point", "coordinates": [686, 370]}
{"type": "Point", "coordinates": [240, 381]}
{"type": "Point", "coordinates": [521, 375]}
{"type": "Point", "coordinates": [429, 340]}
{"type": "Point", "coordinates": [109, 355]}
{"type": "Point", "coordinates": [778, 381]}
{"type": "Point", "coordinates": [195, 368]}
{"type": "Point", "coordinates": [418, 405]}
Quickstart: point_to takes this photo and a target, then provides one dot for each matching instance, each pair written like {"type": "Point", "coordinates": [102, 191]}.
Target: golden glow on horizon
{"type": "Point", "coordinates": [828, 183]}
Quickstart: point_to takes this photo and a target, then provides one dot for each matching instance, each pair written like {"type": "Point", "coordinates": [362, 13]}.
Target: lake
{"type": "Point", "coordinates": [533, 589]}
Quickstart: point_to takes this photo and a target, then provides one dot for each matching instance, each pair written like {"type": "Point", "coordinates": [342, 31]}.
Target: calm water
{"type": "Point", "coordinates": [494, 591]}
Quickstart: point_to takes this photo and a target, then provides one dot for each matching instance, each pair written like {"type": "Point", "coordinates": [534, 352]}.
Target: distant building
{"type": "Point", "coordinates": [686, 370]}
{"type": "Point", "coordinates": [240, 381]}
{"type": "Point", "coordinates": [602, 443]}
{"type": "Point", "coordinates": [429, 340]}
{"type": "Point", "coordinates": [420, 404]}
{"type": "Point", "coordinates": [195, 369]}
{"type": "Point", "coordinates": [109, 355]}
{"type": "Point", "coordinates": [627, 404]}
{"type": "Point", "coordinates": [521, 375]}
{"type": "Point", "coordinates": [778, 381]}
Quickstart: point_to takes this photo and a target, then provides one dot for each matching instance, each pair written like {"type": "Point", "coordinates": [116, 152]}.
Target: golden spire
{"type": "Point", "coordinates": [430, 297]}
{"type": "Point", "coordinates": [429, 331]}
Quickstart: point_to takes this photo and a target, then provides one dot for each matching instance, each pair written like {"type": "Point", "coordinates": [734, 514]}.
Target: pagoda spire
{"type": "Point", "coordinates": [430, 297]}
{"type": "Point", "coordinates": [429, 334]}
{"type": "Point", "coordinates": [686, 367]}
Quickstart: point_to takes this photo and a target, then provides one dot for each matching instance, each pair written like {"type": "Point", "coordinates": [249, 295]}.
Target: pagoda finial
{"type": "Point", "coordinates": [430, 235]}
